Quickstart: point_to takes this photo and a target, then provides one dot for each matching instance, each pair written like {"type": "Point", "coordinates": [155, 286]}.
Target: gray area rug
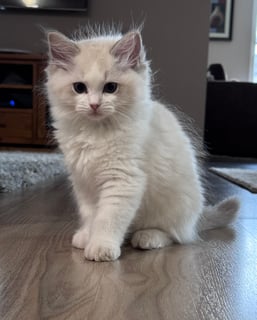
{"type": "Point", "coordinates": [245, 178]}
{"type": "Point", "coordinates": [20, 169]}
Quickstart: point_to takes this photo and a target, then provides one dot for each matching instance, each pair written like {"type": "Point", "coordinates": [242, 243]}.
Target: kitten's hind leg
{"type": "Point", "coordinates": [150, 239]}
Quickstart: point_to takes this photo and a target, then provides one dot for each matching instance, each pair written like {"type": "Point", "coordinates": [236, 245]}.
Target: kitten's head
{"type": "Point", "coordinates": [97, 78]}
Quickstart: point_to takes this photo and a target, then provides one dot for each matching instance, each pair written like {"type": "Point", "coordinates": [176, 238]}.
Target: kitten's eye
{"type": "Point", "coordinates": [80, 87]}
{"type": "Point", "coordinates": [110, 87]}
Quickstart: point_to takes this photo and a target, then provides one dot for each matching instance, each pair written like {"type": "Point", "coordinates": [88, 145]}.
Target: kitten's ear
{"type": "Point", "coordinates": [61, 49]}
{"type": "Point", "coordinates": [129, 50]}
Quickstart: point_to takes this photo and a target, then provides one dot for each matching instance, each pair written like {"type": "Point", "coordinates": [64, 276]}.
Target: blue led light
{"type": "Point", "coordinates": [12, 103]}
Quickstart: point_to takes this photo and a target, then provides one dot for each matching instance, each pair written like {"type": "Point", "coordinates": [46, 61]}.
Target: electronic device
{"type": "Point", "coordinates": [56, 5]}
{"type": "Point", "coordinates": [15, 99]}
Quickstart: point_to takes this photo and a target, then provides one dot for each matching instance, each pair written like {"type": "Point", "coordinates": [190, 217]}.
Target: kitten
{"type": "Point", "coordinates": [132, 166]}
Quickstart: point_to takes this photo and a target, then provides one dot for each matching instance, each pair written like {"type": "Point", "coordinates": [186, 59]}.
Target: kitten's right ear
{"type": "Point", "coordinates": [61, 50]}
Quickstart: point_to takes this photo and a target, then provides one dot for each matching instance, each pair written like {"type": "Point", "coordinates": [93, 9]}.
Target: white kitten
{"type": "Point", "coordinates": [132, 166]}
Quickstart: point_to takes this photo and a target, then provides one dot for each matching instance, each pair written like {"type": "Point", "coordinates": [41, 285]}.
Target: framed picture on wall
{"type": "Point", "coordinates": [221, 19]}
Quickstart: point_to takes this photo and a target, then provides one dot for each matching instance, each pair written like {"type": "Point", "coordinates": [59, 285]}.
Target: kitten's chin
{"type": "Point", "coordinates": [96, 116]}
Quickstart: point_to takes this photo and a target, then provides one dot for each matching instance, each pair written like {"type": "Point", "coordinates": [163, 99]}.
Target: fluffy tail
{"type": "Point", "coordinates": [220, 215]}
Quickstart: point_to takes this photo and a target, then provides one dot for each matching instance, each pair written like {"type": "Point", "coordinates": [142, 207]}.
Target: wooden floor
{"type": "Point", "coordinates": [43, 277]}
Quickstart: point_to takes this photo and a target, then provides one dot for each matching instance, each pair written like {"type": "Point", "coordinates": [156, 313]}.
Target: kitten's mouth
{"type": "Point", "coordinates": [96, 115]}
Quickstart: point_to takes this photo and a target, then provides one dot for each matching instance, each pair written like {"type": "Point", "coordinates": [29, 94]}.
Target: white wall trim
{"type": "Point", "coordinates": [253, 40]}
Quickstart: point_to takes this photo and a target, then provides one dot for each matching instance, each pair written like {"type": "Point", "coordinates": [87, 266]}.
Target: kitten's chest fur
{"type": "Point", "coordinates": [96, 159]}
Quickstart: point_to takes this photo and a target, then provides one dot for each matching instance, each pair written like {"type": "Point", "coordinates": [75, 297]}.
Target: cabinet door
{"type": "Point", "coordinates": [16, 127]}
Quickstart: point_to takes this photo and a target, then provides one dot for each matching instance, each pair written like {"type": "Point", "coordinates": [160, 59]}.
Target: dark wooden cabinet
{"type": "Point", "coordinates": [24, 115]}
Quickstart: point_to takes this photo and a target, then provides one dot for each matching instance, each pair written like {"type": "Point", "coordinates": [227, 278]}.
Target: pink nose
{"type": "Point", "coordinates": [94, 106]}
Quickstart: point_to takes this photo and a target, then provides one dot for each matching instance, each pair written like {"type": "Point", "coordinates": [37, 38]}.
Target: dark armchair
{"type": "Point", "coordinates": [231, 118]}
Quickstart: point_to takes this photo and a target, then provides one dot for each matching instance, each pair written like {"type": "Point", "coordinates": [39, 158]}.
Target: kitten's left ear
{"type": "Point", "coordinates": [61, 50]}
{"type": "Point", "coordinates": [129, 50]}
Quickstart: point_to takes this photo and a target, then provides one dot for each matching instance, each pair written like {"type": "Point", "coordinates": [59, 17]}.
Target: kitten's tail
{"type": "Point", "coordinates": [219, 215]}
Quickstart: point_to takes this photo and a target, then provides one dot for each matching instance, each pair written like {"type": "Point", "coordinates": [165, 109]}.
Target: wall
{"type": "Point", "coordinates": [175, 34]}
{"type": "Point", "coordinates": [235, 55]}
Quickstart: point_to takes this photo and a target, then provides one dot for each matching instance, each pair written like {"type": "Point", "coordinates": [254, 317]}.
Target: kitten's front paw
{"type": "Point", "coordinates": [102, 251]}
{"type": "Point", "coordinates": [80, 239]}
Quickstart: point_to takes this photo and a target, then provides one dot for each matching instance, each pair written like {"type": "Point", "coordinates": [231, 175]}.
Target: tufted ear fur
{"type": "Point", "coordinates": [129, 50]}
{"type": "Point", "coordinates": [61, 50]}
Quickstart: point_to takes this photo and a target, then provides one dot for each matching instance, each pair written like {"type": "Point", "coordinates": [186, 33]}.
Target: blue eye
{"type": "Point", "coordinates": [110, 87]}
{"type": "Point", "coordinates": [79, 87]}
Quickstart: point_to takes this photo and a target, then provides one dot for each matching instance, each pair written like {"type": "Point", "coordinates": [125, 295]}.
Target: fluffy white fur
{"type": "Point", "coordinates": [132, 166]}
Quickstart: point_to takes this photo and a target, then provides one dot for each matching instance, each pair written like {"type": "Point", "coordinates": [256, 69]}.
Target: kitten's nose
{"type": "Point", "coordinates": [94, 106]}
